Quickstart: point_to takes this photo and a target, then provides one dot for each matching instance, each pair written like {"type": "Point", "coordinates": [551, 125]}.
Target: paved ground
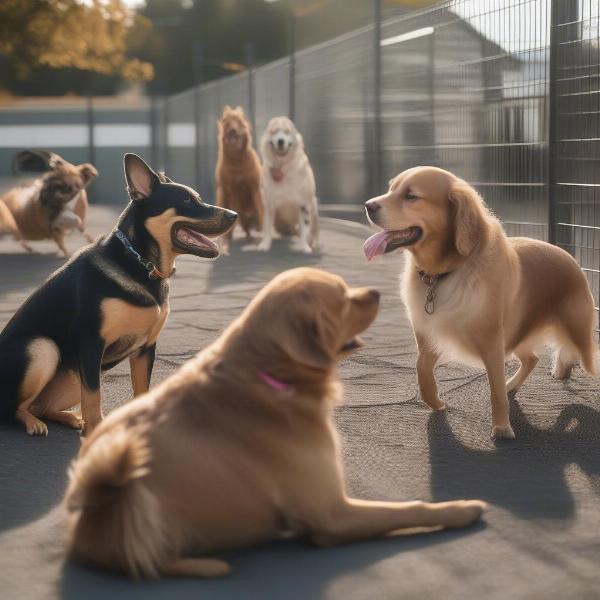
{"type": "Point", "coordinates": [540, 538]}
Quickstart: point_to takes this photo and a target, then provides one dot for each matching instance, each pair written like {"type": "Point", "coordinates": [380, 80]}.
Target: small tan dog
{"type": "Point", "coordinates": [476, 296]}
{"type": "Point", "coordinates": [238, 172]}
{"type": "Point", "coordinates": [238, 446]}
{"type": "Point", "coordinates": [52, 205]}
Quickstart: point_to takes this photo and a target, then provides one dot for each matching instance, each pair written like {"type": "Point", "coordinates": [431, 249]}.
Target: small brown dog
{"type": "Point", "coordinates": [238, 172]}
{"type": "Point", "coordinates": [476, 296]}
{"type": "Point", "coordinates": [238, 446]}
{"type": "Point", "coordinates": [52, 205]}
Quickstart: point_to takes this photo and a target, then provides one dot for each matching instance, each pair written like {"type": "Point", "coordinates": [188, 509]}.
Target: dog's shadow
{"type": "Point", "coordinates": [33, 472]}
{"type": "Point", "coordinates": [526, 476]}
{"type": "Point", "coordinates": [247, 264]}
{"type": "Point", "coordinates": [287, 569]}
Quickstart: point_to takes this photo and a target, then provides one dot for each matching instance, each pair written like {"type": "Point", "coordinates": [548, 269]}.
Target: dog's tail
{"type": "Point", "coordinates": [115, 520]}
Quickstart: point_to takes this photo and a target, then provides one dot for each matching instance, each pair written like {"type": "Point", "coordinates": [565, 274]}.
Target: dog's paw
{"type": "Point", "coordinates": [305, 249]}
{"type": "Point", "coordinates": [74, 421]}
{"type": "Point", "coordinates": [461, 513]}
{"type": "Point", "coordinates": [502, 432]}
{"type": "Point", "coordinates": [36, 427]}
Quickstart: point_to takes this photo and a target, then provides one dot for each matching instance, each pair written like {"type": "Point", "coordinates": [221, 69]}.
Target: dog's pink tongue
{"type": "Point", "coordinates": [375, 245]}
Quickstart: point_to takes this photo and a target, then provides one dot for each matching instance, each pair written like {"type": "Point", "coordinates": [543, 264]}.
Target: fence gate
{"type": "Point", "coordinates": [574, 133]}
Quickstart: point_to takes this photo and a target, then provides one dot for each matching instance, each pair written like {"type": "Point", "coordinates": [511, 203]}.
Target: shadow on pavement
{"type": "Point", "coordinates": [274, 571]}
{"type": "Point", "coordinates": [526, 476]}
{"type": "Point", "coordinates": [33, 472]}
{"type": "Point", "coordinates": [245, 263]}
{"type": "Point", "coordinates": [24, 270]}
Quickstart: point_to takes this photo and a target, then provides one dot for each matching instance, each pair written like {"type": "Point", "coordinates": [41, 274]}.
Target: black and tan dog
{"type": "Point", "coordinates": [108, 303]}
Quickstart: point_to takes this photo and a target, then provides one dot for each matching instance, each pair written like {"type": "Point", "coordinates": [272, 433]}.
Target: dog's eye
{"type": "Point", "coordinates": [410, 197]}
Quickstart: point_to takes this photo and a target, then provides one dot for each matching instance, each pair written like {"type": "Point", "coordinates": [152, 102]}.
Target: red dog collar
{"type": "Point", "coordinates": [277, 174]}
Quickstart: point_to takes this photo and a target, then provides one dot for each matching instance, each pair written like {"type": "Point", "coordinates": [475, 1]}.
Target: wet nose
{"type": "Point", "coordinates": [375, 294]}
{"type": "Point", "coordinates": [280, 143]}
{"type": "Point", "coordinates": [372, 207]}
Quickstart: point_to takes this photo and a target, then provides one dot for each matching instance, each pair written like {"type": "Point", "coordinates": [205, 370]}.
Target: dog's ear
{"type": "Point", "coordinates": [469, 216]}
{"type": "Point", "coordinates": [88, 172]}
{"type": "Point", "coordinates": [36, 161]}
{"type": "Point", "coordinates": [307, 335]}
{"type": "Point", "coordinates": [227, 110]}
{"type": "Point", "coordinates": [141, 179]}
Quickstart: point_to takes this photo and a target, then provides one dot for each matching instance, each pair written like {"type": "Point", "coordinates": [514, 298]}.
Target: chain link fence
{"type": "Point", "coordinates": [505, 93]}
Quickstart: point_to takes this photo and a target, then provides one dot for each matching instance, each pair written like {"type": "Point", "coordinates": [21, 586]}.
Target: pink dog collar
{"type": "Point", "coordinates": [273, 383]}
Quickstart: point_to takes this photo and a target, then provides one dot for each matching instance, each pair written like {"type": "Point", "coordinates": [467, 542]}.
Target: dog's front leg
{"type": "Point", "coordinates": [492, 354]}
{"type": "Point", "coordinates": [140, 366]}
{"type": "Point", "coordinates": [90, 360]}
{"type": "Point", "coordinates": [426, 361]}
{"type": "Point", "coordinates": [363, 519]}
{"type": "Point", "coordinates": [305, 229]}
{"type": "Point", "coordinates": [267, 237]}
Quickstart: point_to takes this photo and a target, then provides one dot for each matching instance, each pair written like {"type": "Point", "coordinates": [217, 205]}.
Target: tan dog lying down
{"type": "Point", "coordinates": [476, 296]}
{"type": "Point", "coordinates": [238, 446]}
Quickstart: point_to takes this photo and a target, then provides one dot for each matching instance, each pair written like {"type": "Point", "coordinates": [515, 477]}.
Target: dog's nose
{"type": "Point", "coordinates": [372, 207]}
{"type": "Point", "coordinates": [280, 143]}
{"type": "Point", "coordinates": [375, 294]}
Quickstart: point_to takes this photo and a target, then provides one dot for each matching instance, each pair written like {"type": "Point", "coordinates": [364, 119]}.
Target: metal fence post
{"type": "Point", "coordinates": [377, 129]}
{"type": "Point", "coordinates": [166, 133]}
{"type": "Point", "coordinates": [292, 62]}
{"type": "Point", "coordinates": [90, 126]}
{"type": "Point", "coordinates": [250, 52]}
{"type": "Point", "coordinates": [198, 77]}
{"type": "Point", "coordinates": [552, 122]}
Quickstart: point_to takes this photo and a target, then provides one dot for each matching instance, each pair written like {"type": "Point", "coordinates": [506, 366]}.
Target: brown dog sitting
{"type": "Point", "coordinates": [238, 446]}
{"type": "Point", "coordinates": [52, 205]}
{"type": "Point", "coordinates": [238, 172]}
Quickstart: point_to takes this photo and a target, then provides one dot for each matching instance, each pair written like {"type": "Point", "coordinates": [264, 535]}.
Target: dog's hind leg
{"type": "Point", "coordinates": [313, 238]}
{"type": "Point", "coordinates": [60, 394]}
{"type": "Point", "coordinates": [564, 360]}
{"type": "Point", "coordinates": [196, 567]}
{"type": "Point", "coordinates": [44, 357]}
{"type": "Point", "coordinates": [528, 362]}
{"type": "Point", "coordinates": [576, 337]}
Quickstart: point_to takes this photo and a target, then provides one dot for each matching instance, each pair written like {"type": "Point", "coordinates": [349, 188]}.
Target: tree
{"type": "Point", "coordinates": [92, 36]}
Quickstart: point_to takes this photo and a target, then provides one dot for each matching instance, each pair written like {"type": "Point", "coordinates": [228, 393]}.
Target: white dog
{"type": "Point", "coordinates": [288, 186]}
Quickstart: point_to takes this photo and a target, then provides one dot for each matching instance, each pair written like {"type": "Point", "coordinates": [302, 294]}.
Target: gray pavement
{"type": "Point", "coordinates": [540, 538]}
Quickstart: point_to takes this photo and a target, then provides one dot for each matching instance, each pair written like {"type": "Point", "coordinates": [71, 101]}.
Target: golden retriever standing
{"type": "Point", "coordinates": [54, 204]}
{"type": "Point", "coordinates": [238, 446]}
{"type": "Point", "coordinates": [291, 206]}
{"type": "Point", "coordinates": [238, 172]}
{"type": "Point", "coordinates": [476, 296]}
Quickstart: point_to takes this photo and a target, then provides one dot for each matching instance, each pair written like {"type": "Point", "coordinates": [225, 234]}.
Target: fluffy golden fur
{"type": "Point", "coordinates": [238, 172]}
{"type": "Point", "coordinates": [52, 205]}
{"type": "Point", "coordinates": [217, 457]}
{"type": "Point", "coordinates": [501, 296]}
